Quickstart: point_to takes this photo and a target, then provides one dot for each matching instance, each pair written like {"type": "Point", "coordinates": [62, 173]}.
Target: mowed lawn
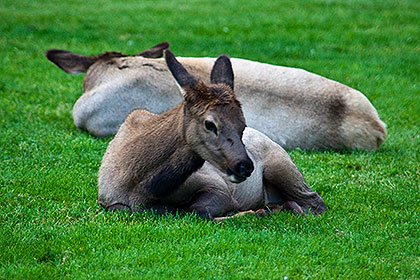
{"type": "Point", "coordinates": [50, 224]}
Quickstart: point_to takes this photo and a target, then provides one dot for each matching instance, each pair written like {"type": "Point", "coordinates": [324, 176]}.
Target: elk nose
{"type": "Point", "coordinates": [245, 168]}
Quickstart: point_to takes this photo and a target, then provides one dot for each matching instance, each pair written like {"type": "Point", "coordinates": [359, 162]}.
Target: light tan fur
{"type": "Point", "coordinates": [293, 107]}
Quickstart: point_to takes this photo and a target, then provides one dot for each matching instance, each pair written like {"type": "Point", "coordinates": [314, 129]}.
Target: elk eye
{"type": "Point", "coordinates": [210, 126]}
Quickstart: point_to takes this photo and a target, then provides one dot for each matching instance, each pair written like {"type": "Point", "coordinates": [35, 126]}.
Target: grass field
{"type": "Point", "coordinates": [50, 224]}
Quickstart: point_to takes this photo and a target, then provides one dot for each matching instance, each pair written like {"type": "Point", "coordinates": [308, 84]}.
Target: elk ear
{"type": "Point", "coordinates": [154, 52]}
{"type": "Point", "coordinates": [69, 62]}
{"type": "Point", "coordinates": [184, 79]}
{"type": "Point", "coordinates": [222, 72]}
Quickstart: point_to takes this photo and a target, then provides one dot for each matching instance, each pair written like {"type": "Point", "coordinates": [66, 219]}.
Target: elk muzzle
{"type": "Point", "coordinates": [240, 171]}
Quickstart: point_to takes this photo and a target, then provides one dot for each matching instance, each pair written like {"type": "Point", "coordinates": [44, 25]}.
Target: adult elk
{"type": "Point", "coordinates": [293, 107]}
{"type": "Point", "coordinates": [151, 162]}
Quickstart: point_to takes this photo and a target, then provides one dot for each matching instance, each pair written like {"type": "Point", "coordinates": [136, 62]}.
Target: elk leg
{"type": "Point", "coordinates": [282, 179]}
{"type": "Point", "coordinates": [211, 203]}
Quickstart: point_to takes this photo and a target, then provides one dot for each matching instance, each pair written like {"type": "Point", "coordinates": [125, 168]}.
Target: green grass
{"type": "Point", "coordinates": [50, 224]}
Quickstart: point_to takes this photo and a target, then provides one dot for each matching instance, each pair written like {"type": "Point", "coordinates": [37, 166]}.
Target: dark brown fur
{"type": "Point", "coordinates": [210, 97]}
{"type": "Point", "coordinates": [168, 164]}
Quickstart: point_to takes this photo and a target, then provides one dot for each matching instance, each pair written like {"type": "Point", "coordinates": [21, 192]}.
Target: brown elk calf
{"type": "Point", "coordinates": [153, 159]}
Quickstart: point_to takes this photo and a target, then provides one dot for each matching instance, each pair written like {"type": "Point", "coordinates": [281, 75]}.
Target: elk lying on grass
{"type": "Point", "coordinates": [151, 162]}
{"type": "Point", "coordinates": [293, 107]}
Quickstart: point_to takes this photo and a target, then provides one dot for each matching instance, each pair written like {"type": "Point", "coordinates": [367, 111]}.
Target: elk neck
{"type": "Point", "coordinates": [173, 160]}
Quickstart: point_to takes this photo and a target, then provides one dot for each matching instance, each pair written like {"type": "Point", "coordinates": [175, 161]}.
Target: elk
{"type": "Point", "coordinates": [193, 157]}
{"type": "Point", "coordinates": [295, 108]}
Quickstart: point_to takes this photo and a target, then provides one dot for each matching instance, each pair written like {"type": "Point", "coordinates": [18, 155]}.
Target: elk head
{"type": "Point", "coordinates": [213, 120]}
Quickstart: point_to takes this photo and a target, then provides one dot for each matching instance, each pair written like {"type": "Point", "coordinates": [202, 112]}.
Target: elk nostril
{"type": "Point", "coordinates": [246, 168]}
{"type": "Point", "coordinates": [250, 167]}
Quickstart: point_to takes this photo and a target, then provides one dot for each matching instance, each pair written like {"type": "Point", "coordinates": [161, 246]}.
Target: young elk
{"type": "Point", "coordinates": [152, 160]}
{"type": "Point", "coordinates": [293, 107]}
{"type": "Point", "coordinates": [148, 161]}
